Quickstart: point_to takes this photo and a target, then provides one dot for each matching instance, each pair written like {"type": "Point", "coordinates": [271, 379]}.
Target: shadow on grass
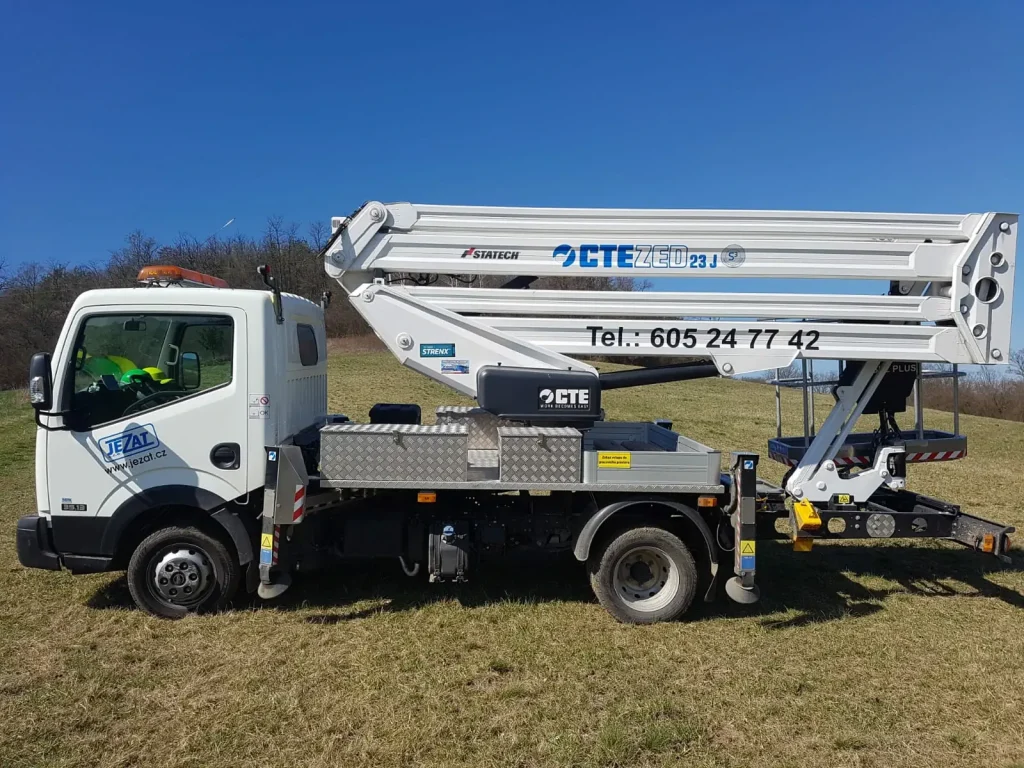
{"type": "Point", "coordinates": [827, 583]}
{"type": "Point", "coordinates": [519, 578]}
{"type": "Point", "coordinates": [819, 586]}
{"type": "Point", "coordinates": [525, 578]}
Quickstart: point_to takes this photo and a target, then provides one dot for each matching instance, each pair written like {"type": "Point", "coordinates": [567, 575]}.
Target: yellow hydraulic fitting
{"type": "Point", "coordinates": [802, 545]}
{"type": "Point", "coordinates": [806, 516]}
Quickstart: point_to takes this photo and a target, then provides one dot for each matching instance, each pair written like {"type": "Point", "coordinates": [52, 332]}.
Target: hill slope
{"type": "Point", "coordinates": [867, 655]}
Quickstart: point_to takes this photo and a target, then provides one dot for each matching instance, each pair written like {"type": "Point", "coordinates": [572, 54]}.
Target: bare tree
{"type": "Point", "coordinates": [1017, 363]}
{"type": "Point", "coordinates": [319, 232]}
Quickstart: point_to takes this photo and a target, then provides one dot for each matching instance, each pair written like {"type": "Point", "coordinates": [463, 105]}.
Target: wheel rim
{"type": "Point", "coordinates": [181, 575]}
{"type": "Point", "coordinates": [645, 578]}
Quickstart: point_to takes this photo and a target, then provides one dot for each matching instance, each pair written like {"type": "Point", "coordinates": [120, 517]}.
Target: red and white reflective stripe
{"type": "Point", "coordinates": [850, 461]}
{"type": "Point", "coordinates": [277, 538]}
{"type": "Point", "coordinates": [936, 456]}
{"type": "Point", "coordinates": [300, 503]}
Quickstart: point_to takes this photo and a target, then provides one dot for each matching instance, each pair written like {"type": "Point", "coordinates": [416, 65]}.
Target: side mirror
{"type": "Point", "coordinates": [190, 373]}
{"type": "Point", "coordinates": [40, 385]}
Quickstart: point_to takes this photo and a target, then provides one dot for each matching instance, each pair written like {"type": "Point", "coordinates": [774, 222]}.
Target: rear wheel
{"type": "Point", "coordinates": [644, 575]}
{"type": "Point", "coordinates": [181, 570]}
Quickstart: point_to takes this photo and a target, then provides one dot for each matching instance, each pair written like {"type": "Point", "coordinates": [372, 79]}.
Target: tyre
{"type": "Point", "coordinates": [644, 575]}
{"type": "Point", "coordinates": [182, 570]}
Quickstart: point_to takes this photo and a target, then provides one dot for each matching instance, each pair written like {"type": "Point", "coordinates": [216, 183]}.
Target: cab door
{"type": "Point", "coordinates": [154, 415]}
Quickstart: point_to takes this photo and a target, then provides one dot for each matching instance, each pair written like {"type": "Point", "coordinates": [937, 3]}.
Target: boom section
{"type": "Point", "coordinates": [952, 277]}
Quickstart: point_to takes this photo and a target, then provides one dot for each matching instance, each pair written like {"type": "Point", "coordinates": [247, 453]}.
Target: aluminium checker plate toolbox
{"type": "Point", "coordinates": [483, 425]}
{"type": "Point", "coordinates": [539, 454]}
{"type": "Point", "coordinates": [354, 453]}
{"type": "Point", "coordinates": [438, 457]}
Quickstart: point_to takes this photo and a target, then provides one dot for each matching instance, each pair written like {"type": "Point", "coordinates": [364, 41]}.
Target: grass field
{"type": "Point", "coordinates": [857, 655]}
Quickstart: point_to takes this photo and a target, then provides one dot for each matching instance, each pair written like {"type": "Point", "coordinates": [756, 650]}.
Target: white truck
{"type": "Point", "coordinates": [183, 432]}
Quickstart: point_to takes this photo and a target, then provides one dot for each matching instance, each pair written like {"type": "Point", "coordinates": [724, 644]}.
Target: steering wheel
{"type": "Point", "coordinates": [172, 393]}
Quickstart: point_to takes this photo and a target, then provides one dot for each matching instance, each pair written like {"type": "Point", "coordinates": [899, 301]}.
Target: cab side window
{"type": "Point", "coordinates": [308, 353]}
{"type": "Point", "coordinates": [124, 365]}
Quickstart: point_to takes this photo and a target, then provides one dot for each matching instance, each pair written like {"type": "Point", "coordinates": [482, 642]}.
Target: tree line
{"type": "Point", "coordinates": [35, 298]}
{"type": "Point", "coordinates": [986, 391]}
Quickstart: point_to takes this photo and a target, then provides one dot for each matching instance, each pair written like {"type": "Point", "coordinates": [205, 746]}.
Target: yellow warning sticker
{"type": "Point", "coordinates": [748, 547]}
{"type": "Point", "coordinates": [843, 498]}
{"type": "Point", "coordinates": [614, 460]}
{"type": "Point", "coordinates": [267, 541]}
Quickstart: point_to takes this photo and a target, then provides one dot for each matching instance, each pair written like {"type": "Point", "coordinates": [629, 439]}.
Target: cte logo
{"type": "Point", "coordinates": [563, 399]}
{"type": "Point", "coordinates": [593, 255]}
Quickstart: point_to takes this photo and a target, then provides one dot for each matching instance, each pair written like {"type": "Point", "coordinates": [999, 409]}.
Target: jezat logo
{"type": "Point", "coordinates": [130, 442]}
{"type": "Point", "coordinates": [479, 253]}
{"type": "Point", "coordinates": [563, 399]}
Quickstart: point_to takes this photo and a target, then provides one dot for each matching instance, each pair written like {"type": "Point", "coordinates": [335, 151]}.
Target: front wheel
{"type": "Point", "coordinates": [181, 570]}
{"type": "Point", "coordinates": [643, 576]}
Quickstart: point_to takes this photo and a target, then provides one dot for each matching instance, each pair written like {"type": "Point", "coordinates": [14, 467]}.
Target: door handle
{"type": "Point", "coordinates": [226, 456]}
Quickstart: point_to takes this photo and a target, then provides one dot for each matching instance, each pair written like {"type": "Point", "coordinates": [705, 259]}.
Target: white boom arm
{"type": "Point", "coordinates": [955, 276]}
{"type": "Point", "coordinates": [952, 274]}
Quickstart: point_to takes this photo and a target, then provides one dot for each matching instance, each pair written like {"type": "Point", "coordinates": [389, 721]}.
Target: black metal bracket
{"type": "Point", "coordinates": [62, 414]}
{"type": "Point", "coordinates": [908, 515]}
{"type": "Point", "coordinates": [744, 470]}
{"type": "Point", "coordinates": [271, 283]}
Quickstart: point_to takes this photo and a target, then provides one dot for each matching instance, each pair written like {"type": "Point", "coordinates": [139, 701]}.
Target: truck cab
{"type": "Point", "coordinates": [157, 404]}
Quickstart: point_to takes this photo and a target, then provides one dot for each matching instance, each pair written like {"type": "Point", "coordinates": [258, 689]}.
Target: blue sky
{"type": "Point", "coordinates": [175, 117]}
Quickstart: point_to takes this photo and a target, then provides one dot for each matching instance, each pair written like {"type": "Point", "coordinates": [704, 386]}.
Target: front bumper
{"type": "Point", "coordinates": [35, 547]}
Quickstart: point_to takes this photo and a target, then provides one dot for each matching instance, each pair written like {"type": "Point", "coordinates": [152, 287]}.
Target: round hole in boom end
{"type": "Point", "coordinates": [987, 290]}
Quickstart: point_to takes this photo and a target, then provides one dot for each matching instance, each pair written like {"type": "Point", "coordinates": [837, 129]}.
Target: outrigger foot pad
{"type": "Point", "coordinates": [270, 591]}
{"type": "Point", "coordinates": [737, 592]}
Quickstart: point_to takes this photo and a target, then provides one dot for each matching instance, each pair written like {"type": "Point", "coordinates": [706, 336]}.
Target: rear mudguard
{"type": "Point", "coordinates": [590, 529]}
